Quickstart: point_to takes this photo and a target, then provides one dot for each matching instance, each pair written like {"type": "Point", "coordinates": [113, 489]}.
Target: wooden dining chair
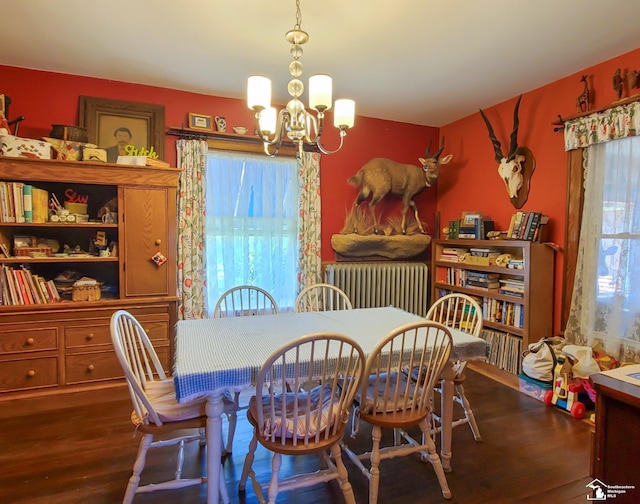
{"type": "Point", "coordinates": [390, 397]}
{"type": "Point", "coordinates": [461, 312]}
{"type": "Point", "coordinates": [242, 301]}
{"type": "Point", "coordinates": [322, 297]}
{"type": "Point", "coordinates": [245, 300]}
{"type": "Point", "coordinates": [290, 419]}
{"type": "Point", "coordinates": [157, 414]}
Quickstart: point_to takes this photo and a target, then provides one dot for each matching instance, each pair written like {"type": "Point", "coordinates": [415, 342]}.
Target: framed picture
{"type": "Point", "coordinates": [468, 218]}
{"type": "Point", "coordinates": [114, 124]}
{"type": "Point", "coordinates": [200, 122]}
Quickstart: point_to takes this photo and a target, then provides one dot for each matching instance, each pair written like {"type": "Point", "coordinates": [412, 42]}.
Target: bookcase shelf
{"type": "Point", "coordinates": [510, 322]}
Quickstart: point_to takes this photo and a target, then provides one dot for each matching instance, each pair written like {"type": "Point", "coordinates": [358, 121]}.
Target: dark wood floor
{"type": "Point", "coordinates": [530, 454]}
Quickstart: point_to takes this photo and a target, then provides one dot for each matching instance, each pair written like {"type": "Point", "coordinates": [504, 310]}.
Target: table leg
{"type": "Point", "coordinates": [214, 409]}
{"type": "Point", "coordinates": [446, 415]}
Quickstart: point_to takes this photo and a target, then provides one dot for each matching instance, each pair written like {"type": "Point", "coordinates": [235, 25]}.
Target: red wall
{"type": "Point", "coordinates": [46, 98]}
{"type": "Point", "coordinates": [471, 181]}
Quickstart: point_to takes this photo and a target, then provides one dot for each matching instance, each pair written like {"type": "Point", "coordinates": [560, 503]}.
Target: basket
{"type": "Point", "coordinates": [86, 293]}
{"type": "Point", "coordinates": [32, 251]}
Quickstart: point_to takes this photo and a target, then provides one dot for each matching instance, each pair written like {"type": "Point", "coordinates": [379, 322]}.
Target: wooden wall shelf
{"type": "Point", "coordinates": [624, 101]}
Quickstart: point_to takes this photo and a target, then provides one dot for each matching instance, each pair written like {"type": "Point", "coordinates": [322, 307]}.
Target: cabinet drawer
{"type": "Point", "coordinates": [89, 335]}
{"type": "Point", "coordinates": [28, 373]}
{"type": "Point", "coordinates": [86, 335]}
{"type": "Point", "coordinates": [94, 366]}
{"type": "Point", "coordinates": [28, 340]}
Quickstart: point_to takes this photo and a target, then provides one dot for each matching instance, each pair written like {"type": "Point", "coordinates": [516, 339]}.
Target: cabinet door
{"type": "Point", "coordinates": [149, 227]}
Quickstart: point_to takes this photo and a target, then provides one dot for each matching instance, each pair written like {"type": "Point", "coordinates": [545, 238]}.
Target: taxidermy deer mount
{"type": "Point", "coordinates": [515, 169]}
{"type": "Point", "coordinates": [379, 177]}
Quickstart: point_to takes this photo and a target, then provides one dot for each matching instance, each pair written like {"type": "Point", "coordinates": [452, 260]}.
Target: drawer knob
{"type": "Point", "coordinates": [30, 341]}
{"type": "Point", "coordinates": [158, 241]}
{"type": "Point", "coordinates": [90, 336]}
{"type": "Point", "coordinates": [90, 367]}
{"type": "Point", "coordinates": [31, 373]}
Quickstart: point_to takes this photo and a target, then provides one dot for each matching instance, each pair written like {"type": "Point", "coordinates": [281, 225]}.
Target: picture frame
{"type": "Point", "coordinates": [200, 122]}
{"type": "Point", "coordinates": [111, 124]}
{"type": "Point", "coordinates": [469, 218]}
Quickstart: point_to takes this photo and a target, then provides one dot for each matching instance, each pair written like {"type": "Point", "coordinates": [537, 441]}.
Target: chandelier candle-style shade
{"type": "Point", "coordinates": [294, 121]}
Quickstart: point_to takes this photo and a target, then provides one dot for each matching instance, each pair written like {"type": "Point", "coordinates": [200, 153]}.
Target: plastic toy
{"type": "Point", "coordinates": [566, 389]}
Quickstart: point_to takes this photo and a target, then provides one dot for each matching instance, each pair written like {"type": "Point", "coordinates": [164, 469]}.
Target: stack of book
{"type": "Point", "coordinates": [526, 225]}
{"type": "Point", "coordinates": [476, 229]}
{"type": "Point", "coordinates": [452, 254]}
{"type": "Point", "coordinates": [482, 280]}
{"type": "Point", "coordinates": [20, 202]}
{"type": "Point", "coordinates": [512, 287]}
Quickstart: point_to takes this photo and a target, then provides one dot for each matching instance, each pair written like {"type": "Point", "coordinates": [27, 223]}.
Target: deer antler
{"type": "Point", "coordinates": [514, 133]}
{"type": "Point", "coordinates": [428, 151]}
{"type": "Point", "coordinates": [437, 154]}
{"type": "Point", "coordinates": [496, 144]}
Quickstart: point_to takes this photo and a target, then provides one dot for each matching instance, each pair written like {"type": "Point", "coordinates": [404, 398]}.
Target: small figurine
{"type": "Point", "coordinates": [618, 83]}
{"type": "Point", "coordinates": [583, 102]}
{"type": "Point", "coordinates": [633, 79]}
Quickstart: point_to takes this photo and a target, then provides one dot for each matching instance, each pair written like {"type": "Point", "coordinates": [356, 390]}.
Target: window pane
{"type": "Point", "coordinates": [251, 224]}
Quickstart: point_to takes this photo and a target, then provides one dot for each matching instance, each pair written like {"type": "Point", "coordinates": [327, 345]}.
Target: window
{"type": "Point", "coordinates": [251, 224]}
{"type": "Point", "coordinates": [606, 299]}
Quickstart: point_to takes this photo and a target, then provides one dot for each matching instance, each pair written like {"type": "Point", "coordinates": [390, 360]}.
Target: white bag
{"type": "Point", "coordinates": [585, 364]}
{"type": "Point", "coordinates": [539, 361]}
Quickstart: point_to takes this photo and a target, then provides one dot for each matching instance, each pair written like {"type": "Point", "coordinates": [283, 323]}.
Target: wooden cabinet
{"type": "Point", "coordinates": [617, 438]}
{"type": "Point", "coordinates": [511, 322]}
{"type": "Point", "coordinates": [51, 347]}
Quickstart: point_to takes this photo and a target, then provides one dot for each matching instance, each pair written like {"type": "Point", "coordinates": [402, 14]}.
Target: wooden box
{"type": "Point", "coordinates": [86, 293]}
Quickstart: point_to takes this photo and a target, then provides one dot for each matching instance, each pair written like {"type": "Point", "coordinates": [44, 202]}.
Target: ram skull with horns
{"type": "Point", "coordinates": [516, 167]}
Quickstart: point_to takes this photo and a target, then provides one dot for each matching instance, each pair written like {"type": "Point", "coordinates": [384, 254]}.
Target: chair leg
{"type": "Point", "coordinates": [247, 469]}
{"type": "Point", "coordinates": [468, 413]}
{"type": "Point", "coordinates": [435, 459]}
{"type": "Point", "coordinates": [272, 492]}
{"type": "Point", "coordinates": [374, 481]}
{"type": "Point", "coordinates": [343, 475]}
{"type": "Point", "coordinates": [233, 420]}
{"type": "Point", "coordinates": [138, 466]}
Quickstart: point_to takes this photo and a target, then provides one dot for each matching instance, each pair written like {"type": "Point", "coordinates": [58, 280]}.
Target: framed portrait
{"type": "Point", "coordinates": [200, 122]}
{"type": "Point", "coordinates": [113, 124]}
{"type": "Point", "coordinates": [469, 218]}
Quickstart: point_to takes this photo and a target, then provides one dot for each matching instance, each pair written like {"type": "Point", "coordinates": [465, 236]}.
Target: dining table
{"type": "Point", "coordinates": [218, 355]}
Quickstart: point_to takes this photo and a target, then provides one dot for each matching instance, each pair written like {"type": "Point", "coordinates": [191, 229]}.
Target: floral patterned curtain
{"type": "Point", "coordinates": [310, 262]}
{"type": "Point", "coordinates": [614, 123]}
{"type": "Point", "coordinates": [191, 215]}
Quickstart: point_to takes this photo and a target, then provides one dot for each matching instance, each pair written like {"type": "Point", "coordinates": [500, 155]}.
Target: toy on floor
{"type": "Point", "coordinates": [566, 388]}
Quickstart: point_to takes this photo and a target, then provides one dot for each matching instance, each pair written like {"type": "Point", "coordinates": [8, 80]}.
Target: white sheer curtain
{"type": "Point", "coordinates": [252, 224]}
{"type": "Point", "coordinates": [605, 305]}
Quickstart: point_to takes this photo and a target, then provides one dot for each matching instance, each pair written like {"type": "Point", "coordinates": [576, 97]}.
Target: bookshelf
{"type": "Point", "coordinates": [49, 345]}
{"type": "Point", "coordinates": [517, 302]}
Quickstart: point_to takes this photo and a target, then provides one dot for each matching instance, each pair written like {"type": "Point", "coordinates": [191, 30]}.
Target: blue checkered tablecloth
{"type": "Point", "coordinates": [216, 355]}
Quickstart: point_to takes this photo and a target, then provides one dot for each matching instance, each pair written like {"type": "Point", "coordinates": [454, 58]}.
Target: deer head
{"type": "Point", "coordinates": [510, 166]}
{"type": "Point", "coordinates": [431, 164]}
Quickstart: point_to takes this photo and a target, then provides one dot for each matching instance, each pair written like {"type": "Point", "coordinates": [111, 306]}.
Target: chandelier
{"type": "Point", "coordinates": [294, 121]}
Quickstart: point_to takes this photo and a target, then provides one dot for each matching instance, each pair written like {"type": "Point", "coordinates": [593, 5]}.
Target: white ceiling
{"type": "Point", "coordinates": [427, 62]}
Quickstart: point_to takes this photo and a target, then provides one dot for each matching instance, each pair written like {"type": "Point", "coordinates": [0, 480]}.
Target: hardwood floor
{"type": "Point", "coordinates": [529, 454]}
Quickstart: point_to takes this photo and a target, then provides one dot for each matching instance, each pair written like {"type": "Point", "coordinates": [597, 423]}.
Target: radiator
{"type": "Point", "coordinates": [370, 285]}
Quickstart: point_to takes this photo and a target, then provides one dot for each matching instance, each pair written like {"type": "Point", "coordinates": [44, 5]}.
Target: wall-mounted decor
{"type": "Point", "coordinates": [114, 124]}
{"type": "Point", "coordinates": [200, 122]}
{"type": "Point", "coordinates": [517, 165]}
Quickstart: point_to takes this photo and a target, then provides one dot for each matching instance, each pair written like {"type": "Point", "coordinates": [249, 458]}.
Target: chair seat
{"type": "Point", "coordinates": [318, 399]}
{"type": "Point", "coordinates": [379, 394]}
{"type": "Point", "coordinates": [162, 395]}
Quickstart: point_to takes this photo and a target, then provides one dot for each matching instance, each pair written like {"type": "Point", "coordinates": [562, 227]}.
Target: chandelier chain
{"type": "Point", "coordinates": [298, 16]}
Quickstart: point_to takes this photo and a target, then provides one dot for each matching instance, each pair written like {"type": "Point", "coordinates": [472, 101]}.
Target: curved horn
{"type": "Point", "coordinates": [496, 144]}
{"type": "Point", "coordinates": [437, 154]}
{"type": "Point", "coordinates": [427, 153]}
{"type": "Point", "coordinates": [513, 147]}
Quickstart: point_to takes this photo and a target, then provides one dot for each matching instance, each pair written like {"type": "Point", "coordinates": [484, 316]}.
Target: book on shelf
{"type": "Point", "coordinates": [482, 285]}
{"type": "Point", "coordinates": [452, 254]}
{"type": "Point", "coordinates": [482, 227]}
{"type": "Point", "coordinates": [484, 251]}
{"type": "Point", "coordinates": [483, 275]}
{"type": "Point", "coordinates": [28, 203]}
{"type": "Point", "coordinates": [454, 228]}
{"type": "Point", "coordinates": [508, 292]}
{"type": "Point", "coordinates": [40, 203]}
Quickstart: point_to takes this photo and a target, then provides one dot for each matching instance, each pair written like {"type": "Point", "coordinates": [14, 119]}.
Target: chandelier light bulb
{"type": "Point", "coordinates": [344, 115]}
{"type": "Point", "coordinates": [320, 92]}
{"type": "Point", "coordinates": [258, 92]}
{"type": "Point", "coordinates": [268, 119]}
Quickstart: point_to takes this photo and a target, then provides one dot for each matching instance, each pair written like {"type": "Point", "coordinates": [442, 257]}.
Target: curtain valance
{"type": "Point", "coordinates": [611, 124]}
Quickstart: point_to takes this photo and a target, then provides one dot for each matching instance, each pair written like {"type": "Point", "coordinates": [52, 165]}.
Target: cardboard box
{"type": "Point", "coordinates": [532, 387]}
